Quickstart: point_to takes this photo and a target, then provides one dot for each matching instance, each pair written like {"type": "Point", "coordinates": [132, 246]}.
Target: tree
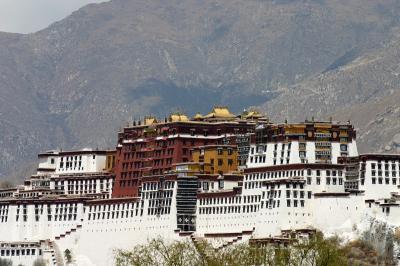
{"type": "Point", "coordinates": [68, 255]}
{"type": "Point", "coordinates": [6, 184]}
{"type": "Point", "coordinates": [5, 262]}
{"type": "Point", "coordinates": [39, 262]}
{"type": "Point", "coordinates": [316, 251]}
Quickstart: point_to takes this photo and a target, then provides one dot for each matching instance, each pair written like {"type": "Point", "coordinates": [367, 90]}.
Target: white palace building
{"type": "Point", "coordinates": [297, 178]}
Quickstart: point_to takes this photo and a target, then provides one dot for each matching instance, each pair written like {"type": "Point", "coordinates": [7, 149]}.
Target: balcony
{"type": "Point", "coordinates": [323, 135]}
{"type": "Point", "coordinates": [302, 148]}
{"type": "Point", "coordinates": [146, 149]}
{"type": "Point", "coordinates": [323, 153]}
{"type": "Point", "coordinates": [325, 161]}
{"type": "Point", "coordinates": [323, 144]}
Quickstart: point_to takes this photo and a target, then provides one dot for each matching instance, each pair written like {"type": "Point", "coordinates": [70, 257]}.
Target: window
{"type": "Point", "coordinates": [373, 180]}
{"type": "Point", "coordinates": [328, 173]}
{"type": "Point", "coordinates": [220, 162]}
{"type": "Point", "coordinates": [318, 180]}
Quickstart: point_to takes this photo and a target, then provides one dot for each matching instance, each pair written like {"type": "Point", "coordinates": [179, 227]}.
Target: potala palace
{"type": "Point", "coordinates": [221, 177]}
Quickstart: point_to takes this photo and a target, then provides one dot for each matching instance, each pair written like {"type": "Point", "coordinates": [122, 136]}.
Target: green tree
{"type": "Point", "coordinates": [316, 251]}
{"type": "Point", "coordinates": [5, 262]}
{"type": "Point", "coordinates": [39, 262]}
{"type": "Point", "coordinates": [68, 255]}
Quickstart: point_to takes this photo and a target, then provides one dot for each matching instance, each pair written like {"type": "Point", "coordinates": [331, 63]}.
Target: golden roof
{"type": "Point", "coordinates": [198, 116]}
{"type": "Point", "coordinates": [295, 126]}
{"type": "Point", "coordinates": [220, 112]}
{"type": "Point", "coordinates": [178, 117]}
{"type": "Point", "coordinates": [323, 125]}
{"type": "Point", "coordinates": [252, 113]}
{"type": "Point", "coordinates": [150, 120]}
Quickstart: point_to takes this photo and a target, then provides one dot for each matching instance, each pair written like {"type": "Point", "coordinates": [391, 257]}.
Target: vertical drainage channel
{"type": "Point", "coordinates": [186, 198]}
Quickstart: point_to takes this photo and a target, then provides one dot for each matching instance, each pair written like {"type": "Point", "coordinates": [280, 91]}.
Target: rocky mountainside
{"type": "Point", "coordinates": [76, 82]}
{"type": "Point", "coordinates": [365, 91]}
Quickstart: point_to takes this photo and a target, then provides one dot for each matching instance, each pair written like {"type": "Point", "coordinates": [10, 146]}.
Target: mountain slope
{"type": "Point", "coordinates": [365, 91]}
{"type": "Point", "coordinates": [76, 82]}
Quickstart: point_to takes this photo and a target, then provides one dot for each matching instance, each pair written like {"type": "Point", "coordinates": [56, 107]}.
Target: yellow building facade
{"type": "Point", "coordinates": [216, 159]}
{"type": "Point", "coordinates": [110, 161]}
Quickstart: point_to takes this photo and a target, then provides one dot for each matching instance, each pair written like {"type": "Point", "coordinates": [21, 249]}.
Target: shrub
{"type": "Point", "coordinates": [315, 251]}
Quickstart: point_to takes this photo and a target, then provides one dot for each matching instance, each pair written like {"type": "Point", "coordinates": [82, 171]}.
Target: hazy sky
{"type": "Point", "coordinates": [25, 16]}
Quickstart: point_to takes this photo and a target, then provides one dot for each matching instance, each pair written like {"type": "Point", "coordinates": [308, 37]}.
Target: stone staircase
{"type": "Point", "coordinates": [59, 257]}
{"type": "Point", "coordinates": [55, 256]}
{"type": "Point", "coordinates": [222, 240]}
{"type": "Point", "coordinates": [196, 240]}
{"type": "Point", "coordinates": [51, 247]}
{"type": "Point", "coordinates": [67, 233]}
{"type": "Point", "coordinates": [231, 242]}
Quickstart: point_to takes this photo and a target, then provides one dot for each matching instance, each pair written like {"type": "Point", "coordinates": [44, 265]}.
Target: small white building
{"type": "Point", "coordinates": [69, 162]}
{"type": "Point", "coordinates": [27, 253]}
{"type": "Point", "coordinates": [308, 142]}
{"type": "Point", "coordinates": [379, 175]}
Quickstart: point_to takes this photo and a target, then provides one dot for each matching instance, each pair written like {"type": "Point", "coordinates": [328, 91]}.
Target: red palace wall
{"type": "Point", "coordinates": [151, 150]}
